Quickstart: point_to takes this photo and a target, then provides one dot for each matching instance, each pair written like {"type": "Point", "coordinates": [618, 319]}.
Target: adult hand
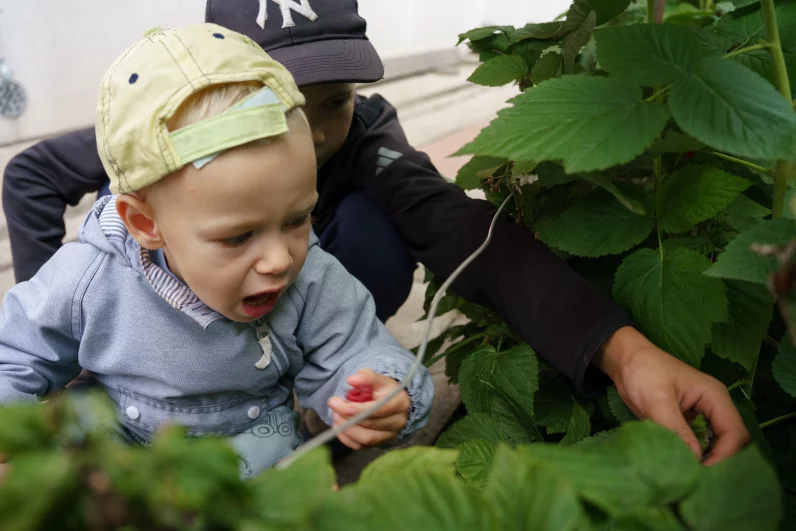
{"type": "Point", "coordinates": [384, 425]}
{"type": "Point", "coordinates": [657, 386]}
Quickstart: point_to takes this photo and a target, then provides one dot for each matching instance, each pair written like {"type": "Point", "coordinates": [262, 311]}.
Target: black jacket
{"type": "Point", "coordinates": [555, 310]}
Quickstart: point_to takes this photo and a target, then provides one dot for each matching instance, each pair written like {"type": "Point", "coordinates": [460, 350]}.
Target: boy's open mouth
{"type": "Point", "coordinates": [260, 304]}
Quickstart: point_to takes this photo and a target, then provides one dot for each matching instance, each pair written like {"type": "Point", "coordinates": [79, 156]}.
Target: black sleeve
{"type": "Point", "coordinates": [37, 185]}
{"type": "Point", "coordinates": [556, 311]}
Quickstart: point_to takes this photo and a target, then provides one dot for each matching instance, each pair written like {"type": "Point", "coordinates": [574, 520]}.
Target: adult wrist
{"type": "Point", "coordinates": [616, 352]}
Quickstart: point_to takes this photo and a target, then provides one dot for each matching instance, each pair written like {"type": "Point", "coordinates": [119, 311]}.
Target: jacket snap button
{"type": "Point", "coordinates": [254, 412]}
{"type": "Point", "coordinates": [133, 412]}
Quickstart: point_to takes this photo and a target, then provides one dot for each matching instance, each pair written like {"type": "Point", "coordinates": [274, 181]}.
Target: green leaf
{"type": "Point", "coordinates": [552, 174]}
{"type": "Point", "coordinates": [553, 403]}
{"type": "Point", "coordinates": [674, 142]}
{"type": "Point", "coordinates": [499, 71]}
{"type": "Point", "coordinates": [596, 226]}
{"type": "Point", "coordinates": [579, 426]}
{"type": "Point", "coordinates": [625, 473]}
{"type": "Point", "coordinates": [590, 123]}
{"type": "Point", "coordinates": [760, 61]}
{"type": "Point", "coordinates": [36, 489]}
{"type": "Point", "coordinates": [574, 41]}
{"type": "Point", "coordinates": [528, 495]}
{"type": "Point", "coordinates": [407, 501]}
{"type": "Point", "coordinates": [784, 367]}
{"type": "Point", "coordinates": [739, 339]}
{"type": "Point", "coordinates": [543, 31]}
{"type": "Point", "coordinates": [618, 406]}
{"type": "Point", "coordinates": [743, 3]}
{"type": "Point", "coordinates": [473, 426]}
{"type": "Point", "coordinates": [738, 262]}
{"type": "Point", "coordinates": [515, 372]}
{"type": "Point", "coordinates": [652, 519]}
{"type": "Point", "coordinates": [734, 110]}
{"type": "Point", "coordinates": [749, 28]}
{"type": "Point", "coordinates": [413, 460]}
{"type": "Point", "coordinates": [662, 461]}
{"type": "Point", "coordinates": [606, 10]}
{"type": "Point", "coordinates": [547, 67]}
{"type": "Point", "coordinates": [299, 489]}
{"type": "Point", "coordinates": [478, 34]}
{"type": "Point", "coordinates": [694, 194]}
{"type": "Point", "coordinates": [745, 207]}
{"type": "Point", "coordinates": [492, 46]}
{"type": "Point", "coordinates": [597, 439]}
{"type": "Point", "coordinates": [647, 54]}
{"type": "Point", "coordinates": [468, 178]}
{"type": "Point", "coordinates": [738, 493]}
{"type": "Point", "coordinates": [523, 167]}
{"type": "Point", "coordinates": [475, 461]}
{"type": "Point", "coordinates": [674, 304]}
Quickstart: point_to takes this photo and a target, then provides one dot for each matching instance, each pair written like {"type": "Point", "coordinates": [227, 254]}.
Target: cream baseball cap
{"type": "Point", "coordinates": [149, 82]}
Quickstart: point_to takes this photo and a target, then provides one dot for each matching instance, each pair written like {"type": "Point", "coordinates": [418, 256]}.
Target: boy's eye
{"type": "Point", "coordinates": [237, 240]}
{"type": "Point", "coordinates": [339, 102]}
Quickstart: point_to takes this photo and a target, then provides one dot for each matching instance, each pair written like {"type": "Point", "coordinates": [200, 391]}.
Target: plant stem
{"type": "Point", "coordinates": [753, 48]}
{"type": "Point", "coordinates": [658, 93]}
{"type": "Point", "coordinates": [736, 385]}
{"type": "Point", "coordinates": [740, 161]}
{"type": "Point", "coordinates": [774, 422]}
{"type": "Point", "coordinates": [454, 348]}
{"type": "Point", "coordinates": [650, 11]}
{"type": "Point", "coordinates": [784, 170]}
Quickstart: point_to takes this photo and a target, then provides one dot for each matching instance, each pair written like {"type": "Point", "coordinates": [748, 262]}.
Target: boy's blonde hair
{"type": "Point", "coordinates": [210, 102]}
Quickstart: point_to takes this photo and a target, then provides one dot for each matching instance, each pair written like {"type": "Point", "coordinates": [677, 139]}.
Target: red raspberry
{"type": "Point", "coordinates": [689, 154]}
{"type": "Point", "coordinates": [360, 393]}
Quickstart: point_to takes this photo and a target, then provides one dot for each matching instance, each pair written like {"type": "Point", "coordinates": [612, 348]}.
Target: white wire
{"type": "Point", "coordinates": [328, 435]}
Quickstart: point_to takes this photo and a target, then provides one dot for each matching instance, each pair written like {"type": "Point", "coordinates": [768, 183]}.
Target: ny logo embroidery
{"type": "Point", "coordinates": [286, 6]}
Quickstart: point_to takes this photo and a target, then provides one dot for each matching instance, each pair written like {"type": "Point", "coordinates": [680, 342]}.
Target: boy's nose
{"type": "Point", "coordinates": [318, 137]}
{"type": "Point", "coordinates": [274, 261]}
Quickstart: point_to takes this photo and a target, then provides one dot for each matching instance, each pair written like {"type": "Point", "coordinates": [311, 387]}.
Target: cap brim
{"type": "Point", "coordinates": [331, 61]}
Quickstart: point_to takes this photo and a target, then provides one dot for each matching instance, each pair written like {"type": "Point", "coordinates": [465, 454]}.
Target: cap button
{"type": "Point", "coordinates": [150, 31]}
{"type": "Point", "coordinates": [133, 412]}
{"type": "Point", "coordinates": [254, 412]}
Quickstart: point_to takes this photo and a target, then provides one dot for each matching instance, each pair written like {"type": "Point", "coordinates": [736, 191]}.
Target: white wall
{"type": "Point", "coordinates": [59, 49]}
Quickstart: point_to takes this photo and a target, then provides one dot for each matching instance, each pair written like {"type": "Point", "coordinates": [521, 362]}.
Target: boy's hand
{"type": "Point", "coordinates": [384, 425]}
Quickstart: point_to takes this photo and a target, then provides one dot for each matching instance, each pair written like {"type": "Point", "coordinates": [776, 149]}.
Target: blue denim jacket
{"type": "Point", "coordinates": [164, 356]}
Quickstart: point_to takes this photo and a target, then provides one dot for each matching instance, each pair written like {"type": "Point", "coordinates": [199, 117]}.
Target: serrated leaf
{"type": "Point", "coordinates": [694, 194]}
{"type": "Point", "coordinates": [618, 406]}
{"type": "Point", "coordinates": [407, 501]}
{"type": "Point", "coordinates": [739, 339]}
{"type": "Point", "coordinates": [590, 123]}
{"type": "Point", "coordinates": [596, 226]}
{"type": "Point", "coordinates": [473, 426]}
{"type": "Point", "coordinates": [515, 372]}
{"type": "Point", "coordinates": [553, 403]}
{"type": "Point", "coordinates": [575, 40]}
{"type": "Point", "coordinates": [413, 460]}
{"type": "Point", "coordinates": [674, 142]}
{"type": "Point", "coordinates": [760, 61]}
{"type": "Point", "coordinates": [579, 426]}
{"type": "Point", "coordinates": [749, 28]}
{"type": "Point", "coordinates": [300, 489]}
{"type": "Point", "coordinates": [475, 461]}
{"type": "Point", "coordinates": [622, 475]}
{"type": "Point", "coordinates": [784, 367]}
{"type": "Point", "coordinates": [734, 110]}
{"type": "Point", "coordinates": [528, 495]}
{"type": "Point", "coordinates": [606, 10]}
{"type": "Point", "coordinates": [736, 494]}
{"type": "Point", "coordinates": [547, 67]}
{"type": "Point", "coordinates": [739, 262]}
{"type": "Point", "coordinates": [543, 31]}
{"type": "Point", "coordinates": [674, 304]}
{"type": "Point", "coordinates": [597, 439]}
{"type": "Point", "coordinates": [523, 167]}
{"type": "Point", "coordinates": [478, 34]}
{"type": "Point", "coordinates": [745, 207]}
{"type": "Point", "coordinates": [647, 54]}
{"type": "Point", "coordinates": [552, 174]}
{"type": "Point", "coordinates": [467, 177]}
{"type": "Point", "coordinates": [743, 3]}
{"type": "Point", "coordinates": [491, 47]}
{"type": "Point", "coordinates": [499, 71]}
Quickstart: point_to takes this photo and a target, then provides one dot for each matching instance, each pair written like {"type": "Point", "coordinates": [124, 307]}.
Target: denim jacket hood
{"type": "Point", "coordinates": [163, 356]}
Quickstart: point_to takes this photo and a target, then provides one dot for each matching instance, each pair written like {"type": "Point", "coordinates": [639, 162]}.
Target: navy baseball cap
{"type": "Point", "coordinates": [318, 41]}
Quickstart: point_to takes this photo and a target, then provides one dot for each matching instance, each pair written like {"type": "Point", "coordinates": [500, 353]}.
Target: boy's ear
{"type": "Point", "coordinates": [138, 216]}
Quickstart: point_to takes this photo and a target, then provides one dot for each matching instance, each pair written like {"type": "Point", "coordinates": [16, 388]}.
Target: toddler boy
{"type": "Point", "coordinates": [199, 295]}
